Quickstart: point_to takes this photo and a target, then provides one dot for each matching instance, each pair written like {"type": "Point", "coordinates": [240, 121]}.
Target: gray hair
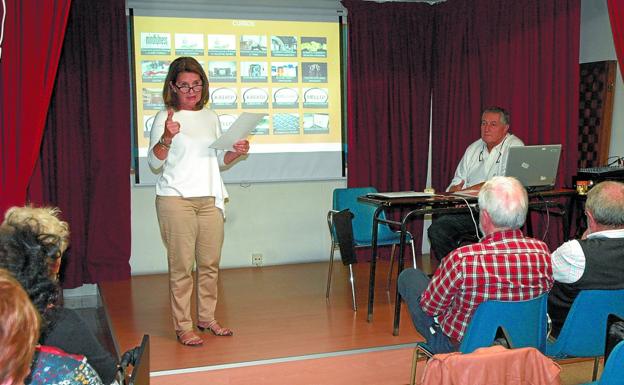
{"type": "Point", "coordinates": [504, 115]}
{"type": "Point", "coordinates": [505, 200]}
{"type": "Point", "coordinates": [606, 203]}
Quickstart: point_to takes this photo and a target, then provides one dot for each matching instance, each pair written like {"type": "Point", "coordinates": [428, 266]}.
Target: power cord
{"type": "Point", "coordinates": [477, 232]}
{"type": "Point", "coordinates": [541, 198]}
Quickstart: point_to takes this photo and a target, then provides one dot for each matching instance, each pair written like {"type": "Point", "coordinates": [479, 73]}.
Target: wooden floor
{"type": "Point", "coordinates": [276, 312]}
{"type": "Point", "coordinates": [285, 331]}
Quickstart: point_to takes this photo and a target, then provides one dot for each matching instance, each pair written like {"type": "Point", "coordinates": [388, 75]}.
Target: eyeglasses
{"type": "Point", "coordinates": [185, 89]}
{"type": "Point", "coordinates": [500, 153]}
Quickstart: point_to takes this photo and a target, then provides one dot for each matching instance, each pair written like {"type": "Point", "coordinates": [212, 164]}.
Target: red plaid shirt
{"type": "Point", "coordinates": [504, 266]}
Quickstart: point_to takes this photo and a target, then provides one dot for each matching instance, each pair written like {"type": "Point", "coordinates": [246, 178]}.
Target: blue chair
{"type": "Point", "coordinates": [346, 198]}
{"type": "Point", "coordinates": [524, 324]}
{"type": "Point", "coordinates": [612, 373]}
{"type": "Point", "coordinates": [582, 334]}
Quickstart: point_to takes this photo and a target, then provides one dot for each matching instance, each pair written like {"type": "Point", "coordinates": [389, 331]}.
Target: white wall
{"type": "Point", "coordinates": [597, 45]}
{"type": "Point", "coordinates": [286, 221]}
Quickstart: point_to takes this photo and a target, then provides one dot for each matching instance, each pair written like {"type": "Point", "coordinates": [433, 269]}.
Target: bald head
{"type": "Point", "coordinates": [506, 202]}
{"type": "Point", "coordinates": [605, 203]}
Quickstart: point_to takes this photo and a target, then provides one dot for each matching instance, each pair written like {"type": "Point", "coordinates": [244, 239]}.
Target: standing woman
{"type": "Point", "coordinates": [190, 195]}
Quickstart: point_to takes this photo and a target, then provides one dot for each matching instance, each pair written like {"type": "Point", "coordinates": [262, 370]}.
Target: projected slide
{"type": "Point", "coordinates": [289, 70]}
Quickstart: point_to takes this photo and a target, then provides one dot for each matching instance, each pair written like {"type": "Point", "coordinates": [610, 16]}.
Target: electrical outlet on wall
{"type": "Point", "coordinates": [256, 259]}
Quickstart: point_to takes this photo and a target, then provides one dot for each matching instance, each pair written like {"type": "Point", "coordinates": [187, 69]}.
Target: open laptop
{"type": "Point", "coordinates": [534, 166]}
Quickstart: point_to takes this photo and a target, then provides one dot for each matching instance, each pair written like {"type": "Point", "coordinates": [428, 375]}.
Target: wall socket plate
{"type": "Point", "coordinates": [256, 259]}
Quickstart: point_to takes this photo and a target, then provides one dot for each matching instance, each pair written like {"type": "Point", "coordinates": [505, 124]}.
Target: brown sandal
{"type": "Point", "coordinates": [215, 329]}
{"type": "Point", "coordinates": [189, 338]}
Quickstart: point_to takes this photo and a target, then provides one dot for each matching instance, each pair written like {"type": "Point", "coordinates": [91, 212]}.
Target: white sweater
{"type": "Point", "coordinates": [191, 168]}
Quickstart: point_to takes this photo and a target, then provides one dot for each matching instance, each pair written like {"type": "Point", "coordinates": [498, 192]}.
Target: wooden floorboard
{"type": "Point", "coordinates": [275, 312]}
{"type": "Point", "coordinates": [283, 328]}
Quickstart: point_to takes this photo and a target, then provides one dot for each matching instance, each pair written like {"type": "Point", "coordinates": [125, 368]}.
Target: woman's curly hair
{"type": "Point", "coordinates": [25, 251]}
{"type": "Point", "coordinates": [45, 219]}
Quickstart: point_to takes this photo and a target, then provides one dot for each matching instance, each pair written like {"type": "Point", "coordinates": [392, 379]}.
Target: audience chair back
{"type": "Point", "coordinates": [582, 334]}
{"type": "Point", "coordinates": [524, 324]}
{"type": "Point", "coordinates": [362, 225]}
{"type": "Point", "coordinates": [346, 198]}
{"type": "Point", "coordinates": [612, 373]}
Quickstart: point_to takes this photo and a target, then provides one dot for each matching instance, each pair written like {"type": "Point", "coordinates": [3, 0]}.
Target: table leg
{"type": "Point", "coordinates": [373, 264]}
{"type": "Point", "coordinates": [397, 298]}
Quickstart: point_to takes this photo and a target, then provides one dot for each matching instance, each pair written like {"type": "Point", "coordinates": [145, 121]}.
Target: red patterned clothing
{"type": "Point", "coordinates": [504, 266]}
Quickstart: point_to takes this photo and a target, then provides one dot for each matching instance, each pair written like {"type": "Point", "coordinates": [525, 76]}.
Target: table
{"type": "Point", "coordinates": [444, 203]}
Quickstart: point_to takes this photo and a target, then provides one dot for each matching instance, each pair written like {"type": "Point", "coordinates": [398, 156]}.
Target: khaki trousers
{"type": "Point", "coordinates": [192, 230]}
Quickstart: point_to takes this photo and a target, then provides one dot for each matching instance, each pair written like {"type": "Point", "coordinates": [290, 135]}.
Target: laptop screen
{"type": "Point", "coordinates": [534, 166]}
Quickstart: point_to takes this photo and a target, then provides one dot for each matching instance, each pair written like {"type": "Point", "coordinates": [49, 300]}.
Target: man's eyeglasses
{"type": "Point", "coordinates": [498, 158]}
{"type": "Point", "coordinates": [185, 89]}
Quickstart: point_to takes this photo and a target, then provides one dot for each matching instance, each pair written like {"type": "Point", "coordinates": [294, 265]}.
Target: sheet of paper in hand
{"type": "Point", "coordinates": [240, 129]}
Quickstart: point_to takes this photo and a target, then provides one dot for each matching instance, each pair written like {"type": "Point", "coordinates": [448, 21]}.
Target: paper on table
{"type": "Point", "coordinates": [240, 129]}
{"type": "Point", "coordinates": [401, 194]}
{"type": "Point", "coordinates": [471, 193]}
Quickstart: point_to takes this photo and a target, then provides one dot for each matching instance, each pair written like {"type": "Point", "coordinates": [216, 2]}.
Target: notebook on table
{"type": "Point", "coordinates": [534, 166]}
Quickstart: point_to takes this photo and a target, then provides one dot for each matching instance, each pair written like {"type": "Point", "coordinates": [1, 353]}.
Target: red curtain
{"type": "Point", "coordinates": [84, 166]}
{"type": "Point", "coordinates": [520, 55]}
{"type": "Point", "coordinates": [31, 45]}
{"type": "Point", "coordinates": [389, 93]}
{"type": "Point", "coordinates": [616, 16]}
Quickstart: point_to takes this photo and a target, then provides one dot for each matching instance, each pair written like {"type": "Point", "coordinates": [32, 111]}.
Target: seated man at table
{"type": "Point", "coordinates": [596, 261]}
{"type": "Point", "coordinates": [505, 265]}
{"type": "Point", "coordinates": [483, 159]}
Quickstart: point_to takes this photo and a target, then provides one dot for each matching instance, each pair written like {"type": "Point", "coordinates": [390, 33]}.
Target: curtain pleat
{"type": "Point", "coordinates": [521, 55]}
{"type": "Point", "coordinates": [616, 17]}
{"type": "Point", "coordinates": [31, 46]}
{"type": "Point", "coordinates": [389, 94]}
{"type": "Point", "coordinates": [84, 165]}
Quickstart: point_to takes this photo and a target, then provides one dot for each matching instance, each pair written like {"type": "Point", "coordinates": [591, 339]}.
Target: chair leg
{"type": "Point", "coordinates": [331, 269]}
{"type": "Point", "coordinates": [390, 269]}
{"type": "Point", "coordinates": [415, 357]}
{"type": "Point", "coordinates": [596, 363]}
{"type": "Point", "coordinates": [419, 351]}
{"type": "Point", "coordinates": [352, 280]}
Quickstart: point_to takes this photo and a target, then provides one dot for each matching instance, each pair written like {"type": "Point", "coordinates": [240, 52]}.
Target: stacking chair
{"type": "Point", "coordinates": [346, 198]}
{"type": "Point", "coordinates": [523, 323]}
{"type": "Point", "coordinates": [612, 373]}
{"type": "Point", "coordinates": [582, 334]}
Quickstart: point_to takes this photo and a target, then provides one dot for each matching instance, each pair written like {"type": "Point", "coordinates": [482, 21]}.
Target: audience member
{"type": "Point", "coordinates": [483, 159]}
{"type": "Point", "coordinates": [19, 331]}
{"type": "Point", "coordinates": [52, 366]}
{"type": "Point", "coordinates": [596, 261]}
{"type": "Point", "coordinates": [505, 265]}
{"type": "Point", "coordinates": [33, 240]}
